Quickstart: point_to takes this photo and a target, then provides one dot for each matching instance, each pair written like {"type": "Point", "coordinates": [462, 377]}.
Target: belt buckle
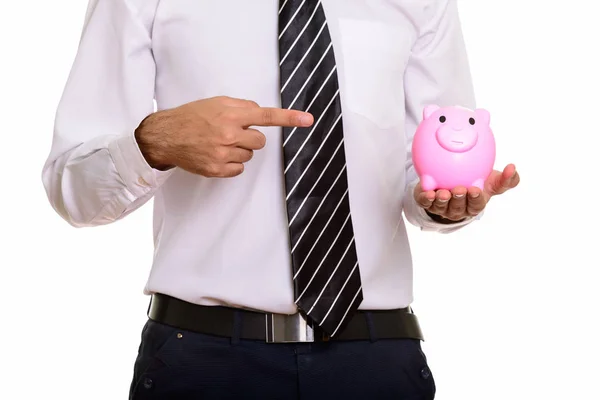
{"type": "Point", "coordinates": [282, 328]}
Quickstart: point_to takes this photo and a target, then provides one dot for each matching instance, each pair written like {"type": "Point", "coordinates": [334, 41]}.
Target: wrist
{"type": "Point", "coordinates": [150, 137]}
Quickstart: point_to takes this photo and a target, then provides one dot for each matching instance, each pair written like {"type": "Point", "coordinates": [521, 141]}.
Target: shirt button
{"type": "Point", "coordinates": [148, 383]}
{"type": "Point", "coordinates": [143, 182]}
{"type": "Point", "coordinates": [425, 373]}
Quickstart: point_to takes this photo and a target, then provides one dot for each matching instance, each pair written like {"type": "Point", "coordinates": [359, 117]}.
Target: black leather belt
{"type": "Point", "coordinates": [279, 328]}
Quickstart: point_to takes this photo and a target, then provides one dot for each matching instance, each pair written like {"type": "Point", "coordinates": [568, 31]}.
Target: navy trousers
{"type": "Point", "coordinates": [175, 364]}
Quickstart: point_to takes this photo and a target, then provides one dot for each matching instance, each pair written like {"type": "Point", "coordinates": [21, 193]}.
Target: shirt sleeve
{"type": "Point", "coordinates": [438, 72]}
{"type": "Point", "coordinates": [95, 173]}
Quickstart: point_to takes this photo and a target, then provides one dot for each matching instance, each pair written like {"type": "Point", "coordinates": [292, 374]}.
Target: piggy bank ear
{"type": "Point", "coordinates": [483, 115]}
{"type": "Point", "coordinates": [430, 109]}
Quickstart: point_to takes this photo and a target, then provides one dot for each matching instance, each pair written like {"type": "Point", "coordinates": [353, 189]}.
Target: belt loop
{"type": "Point", "coordinates": [237, 327]}
{"type": "Point", "coordinates": [149, 305]}
{"type": "Point", "coordinates": [370, 326]}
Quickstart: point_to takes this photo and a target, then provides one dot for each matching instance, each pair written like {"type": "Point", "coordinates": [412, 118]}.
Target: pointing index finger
{"type": "Point", "coordinates": [270, 116]}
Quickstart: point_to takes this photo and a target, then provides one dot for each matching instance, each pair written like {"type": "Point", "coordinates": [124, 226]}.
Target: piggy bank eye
{"type": "Point", "coordinates": [442, 119]}
{"type": "Point", "coordinates": [472, 121]}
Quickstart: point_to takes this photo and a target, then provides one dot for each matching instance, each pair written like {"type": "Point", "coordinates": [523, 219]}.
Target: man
{"type": "Point", "coordinates": [279, 163]}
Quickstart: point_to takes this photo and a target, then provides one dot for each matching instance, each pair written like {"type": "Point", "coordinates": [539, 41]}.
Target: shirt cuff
{"type": "Point", "coordinates": [139, 177]}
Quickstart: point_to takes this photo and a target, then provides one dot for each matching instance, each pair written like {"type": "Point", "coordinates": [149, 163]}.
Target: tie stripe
{"type": "Point", "coordinates": [326, 273]}
{"type": "Point", "coordinates": [291, 191]}
{"type": "Point", "coordinates": [282, 6]}
{"type": "Point", "coordinates": [333, 214]}
{"type": "Point", "coordinates": [305, 55]}
{"type": "Point", "coordinates": [311, 103]}
{"type": "Point", "coordinates": [290, 19]}
{"type": "Point", "coordinates": [315, 128]}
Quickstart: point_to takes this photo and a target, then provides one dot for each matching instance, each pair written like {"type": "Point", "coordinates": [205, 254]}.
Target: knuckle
{"type": "Point", "coordinates": [455, 216]}
{"type": "Point", "coordinates": [252, 103]}
{"type": "Point", "coordinates": [222, 99]}
{"type": "Point", "coordinates": [477, 202]}
{"type": "Point", "coordinates": [228, 137]}
{"type": "Point", "coordinates": [235, 171]}
{"type": "Point", "coordinates": [436, 210]}
{"type": "Point", "coordinates": [221, 154]}
{"type": "Point", "coordinates": [457, 209]}
{"type": "Point", "coordinates": [212, 170]}
{"type": "Point", "coordinates": [474, 200]}
{"type": "Point", "coordinates": [228, 115]}
{"type": "Point", "coordinates": [261, 140]}
{"type": "Point", "coordinates": [473, 211]}
{"type": "Point", "coordinates": [425, 202]}
{"type": "Point", "coordinates": [267, 117]}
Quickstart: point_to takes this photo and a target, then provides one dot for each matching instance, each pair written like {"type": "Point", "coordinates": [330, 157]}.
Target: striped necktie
{"type": "Point", "coordinates": [327, 284]}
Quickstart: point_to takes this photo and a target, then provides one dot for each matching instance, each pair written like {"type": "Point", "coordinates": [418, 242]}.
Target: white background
{"type": "Point", "coordinates": [510, 305]}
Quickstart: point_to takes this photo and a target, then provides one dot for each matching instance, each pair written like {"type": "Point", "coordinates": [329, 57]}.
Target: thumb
{"type": "Point", "coordinates": [501, 182]}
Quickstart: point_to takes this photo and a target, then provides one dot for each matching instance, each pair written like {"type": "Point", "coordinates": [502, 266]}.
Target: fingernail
{"type": "Point", "coordinates": [475, 195]}
{"type": "Point", "coordinates": [458, 196]}
{"type": "Point", "coordinates": [442, 200]}
{"type": "Point", "coordinates": [306, 119]}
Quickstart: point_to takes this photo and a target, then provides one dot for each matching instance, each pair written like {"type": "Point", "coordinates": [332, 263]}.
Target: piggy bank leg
{"type": "Point", "coordinates": [479, 183]}
{"type": "Point", "coordinates": [428, 183]}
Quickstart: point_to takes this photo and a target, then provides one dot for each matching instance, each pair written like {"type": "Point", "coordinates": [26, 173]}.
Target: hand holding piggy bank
{"type": "Point", "coordinates": [453, 146]}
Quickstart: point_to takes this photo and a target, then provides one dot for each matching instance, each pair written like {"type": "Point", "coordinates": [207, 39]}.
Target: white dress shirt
{"type": "Point", "coordinates": [225, 241]}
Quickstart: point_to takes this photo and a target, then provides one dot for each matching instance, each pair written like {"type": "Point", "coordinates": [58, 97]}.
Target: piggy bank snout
{"type": "Point", "coordinates": [457, 139]}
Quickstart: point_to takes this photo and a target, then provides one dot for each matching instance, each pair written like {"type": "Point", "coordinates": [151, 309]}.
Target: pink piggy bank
{"type": "Point", "coordinates": [453, 146]}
